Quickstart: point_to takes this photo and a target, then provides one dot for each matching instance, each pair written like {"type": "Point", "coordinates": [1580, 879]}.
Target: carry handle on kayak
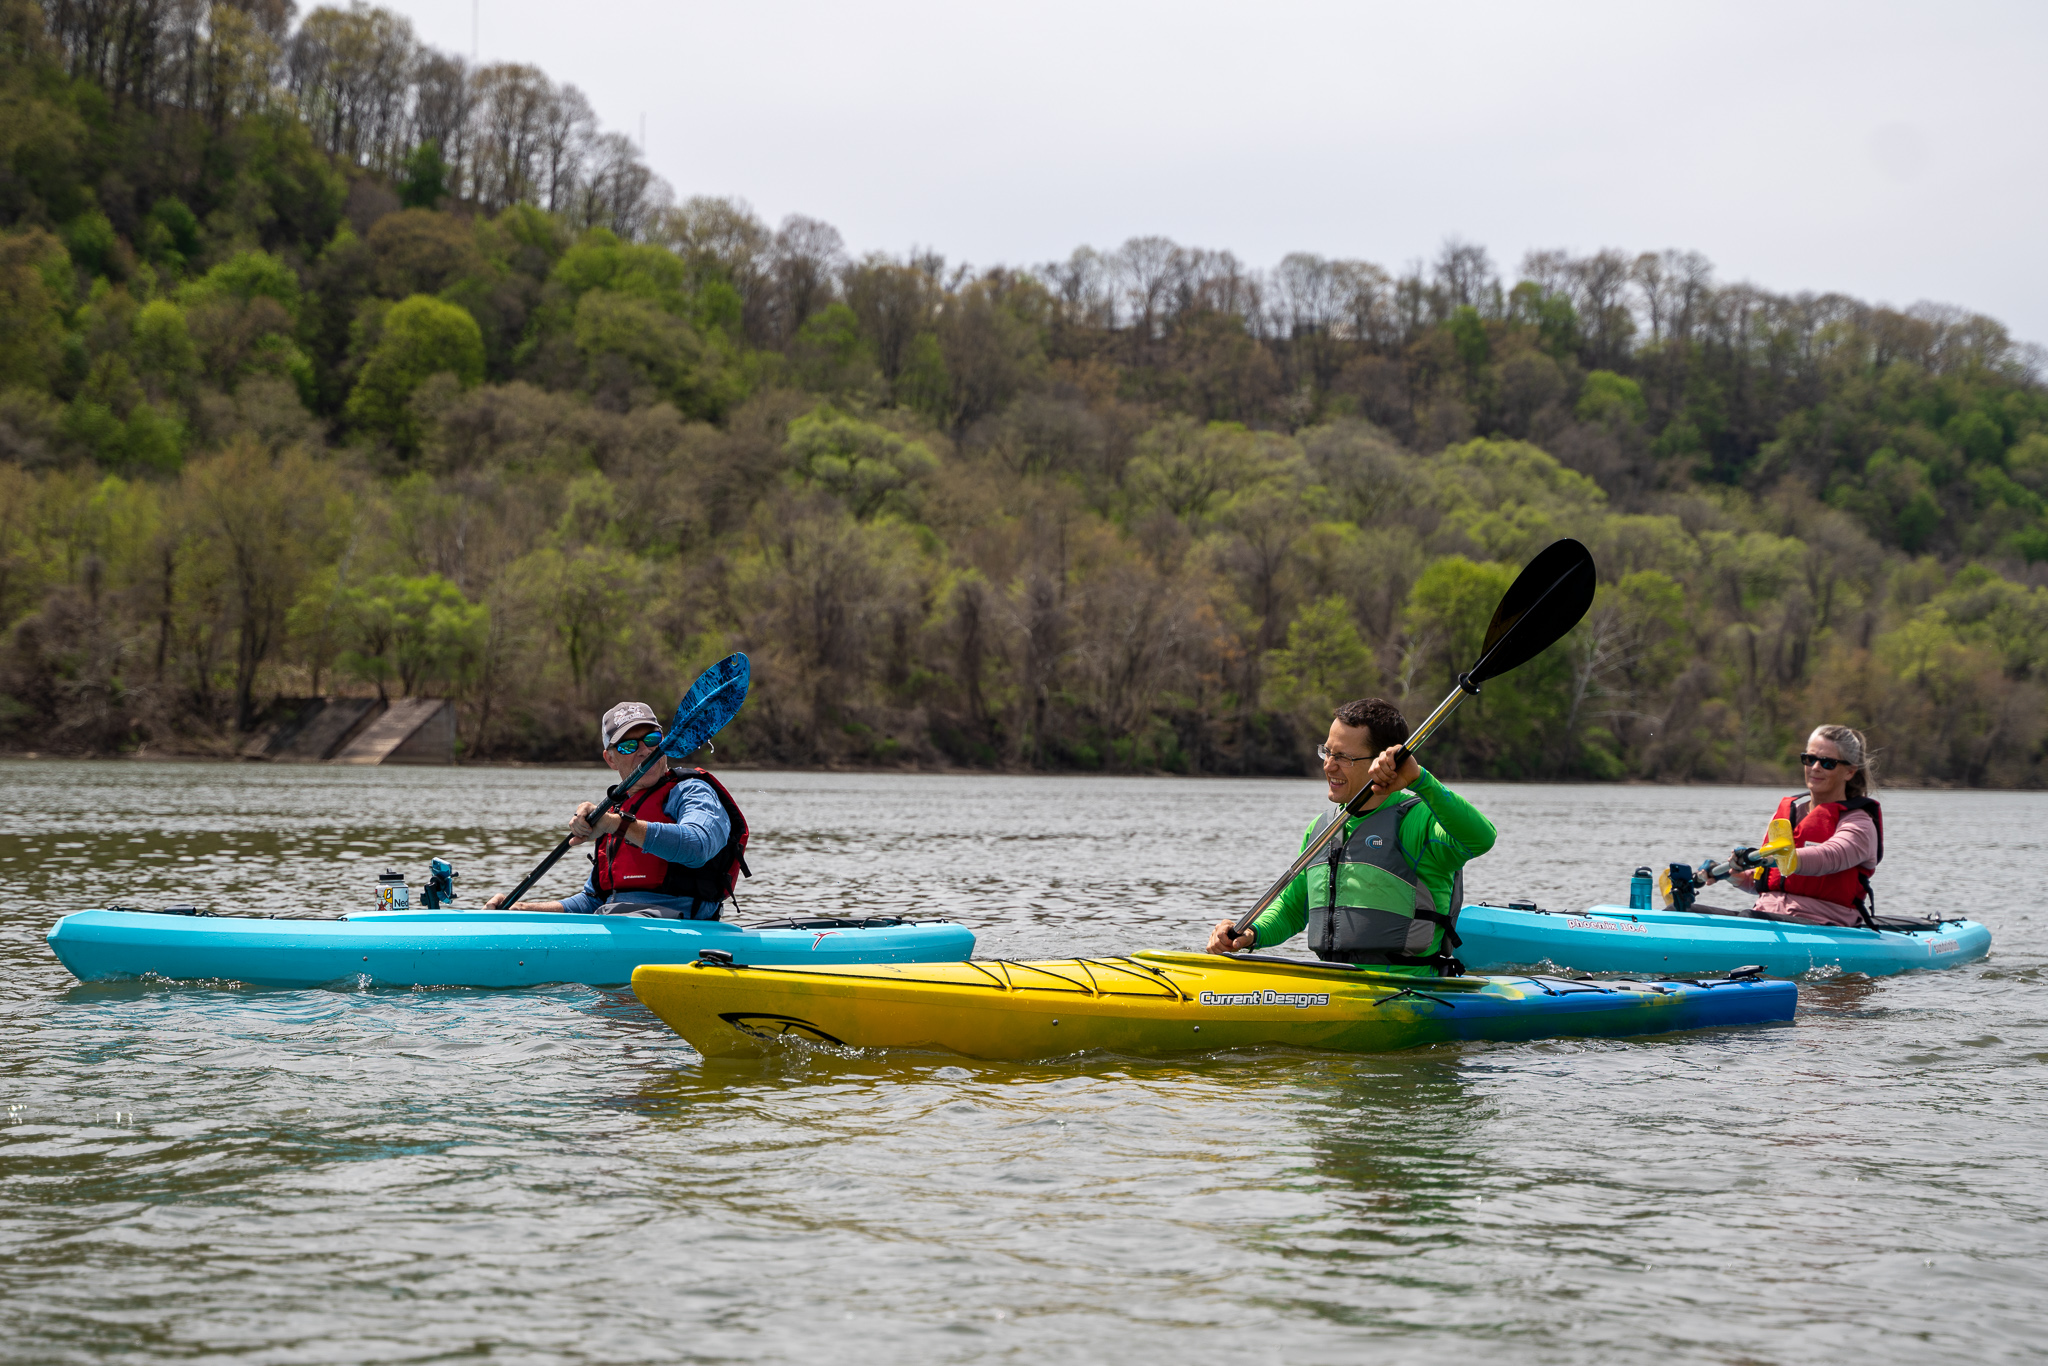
{"type": "Point", "coordinates": [709, 705]}
{"type": "Point", "coordinates": [1546, 600]}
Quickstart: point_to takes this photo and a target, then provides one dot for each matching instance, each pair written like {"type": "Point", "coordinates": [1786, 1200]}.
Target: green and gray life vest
{"type": "Point", "coordinates": [1366, 902]}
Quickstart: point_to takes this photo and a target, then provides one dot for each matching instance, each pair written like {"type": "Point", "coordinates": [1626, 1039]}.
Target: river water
{"type": "Point", "coordinates": [195, 1174]}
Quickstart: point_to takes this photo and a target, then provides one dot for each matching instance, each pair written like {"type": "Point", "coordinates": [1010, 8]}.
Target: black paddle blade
{"type": "Point", "coordinates": [1545, 601]}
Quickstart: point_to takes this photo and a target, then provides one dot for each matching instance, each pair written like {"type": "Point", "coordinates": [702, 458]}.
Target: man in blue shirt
{"type": "Point", "coordinates": [672, 846]}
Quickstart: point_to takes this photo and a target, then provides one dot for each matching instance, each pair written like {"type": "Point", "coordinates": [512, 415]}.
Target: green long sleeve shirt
{"type": "Point", "coordinates": [1441, 835]}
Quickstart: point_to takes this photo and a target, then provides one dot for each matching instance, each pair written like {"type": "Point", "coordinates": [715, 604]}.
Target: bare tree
{"type": "Point", "coordinates": [1367, 302]}
{"type": "Point", "coordinates": [618, 191]}
{"type": "Point", "coordinates": [442, 110]}
{"type": "Point", "coordinates": [1148, 269]}
{"type": "Point", "coordinates": [568, 127]}
{"type": "Point", "coordinates": [804, 262]}
{"type": "Point", "coordinates": [351, 72]}
{"type": "Point", "coordinates": [1465, 278]}
{"type": "Point", "coordinates": [1084, 288]}
{"type": "Point", "coordinates": [511, 109]}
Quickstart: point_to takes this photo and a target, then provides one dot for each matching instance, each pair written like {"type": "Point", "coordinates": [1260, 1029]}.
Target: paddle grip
{"type": "Point", "coordinates": [1743, 860]}
{"type": "Point", "coordinates": [1357, 804]}
{"type": "Point", "coordinates": [1466, 688]}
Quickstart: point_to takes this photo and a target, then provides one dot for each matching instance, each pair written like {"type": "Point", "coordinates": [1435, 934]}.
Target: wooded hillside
{"type": "Point", "coordinates": [329, 361]}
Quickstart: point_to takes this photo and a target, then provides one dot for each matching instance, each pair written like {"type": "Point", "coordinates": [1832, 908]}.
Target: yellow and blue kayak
{"type": "Point", "coordinates": [1159, 1003]}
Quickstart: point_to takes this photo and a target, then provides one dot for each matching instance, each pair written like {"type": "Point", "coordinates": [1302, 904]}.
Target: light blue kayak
{"type": "Point", "coordinates": [467, 948]}
{"type": "Point", "coordinates": [1690, 943]}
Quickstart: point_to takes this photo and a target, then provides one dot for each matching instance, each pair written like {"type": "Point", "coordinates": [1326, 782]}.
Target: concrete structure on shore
{"type": "Point", "coordinates": [357, 730]}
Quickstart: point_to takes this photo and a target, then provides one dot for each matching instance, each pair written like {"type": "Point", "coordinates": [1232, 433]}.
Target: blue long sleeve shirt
{"type": "Point", "coordinates": [696, 829]}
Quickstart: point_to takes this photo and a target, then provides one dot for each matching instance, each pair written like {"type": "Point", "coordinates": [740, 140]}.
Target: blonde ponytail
{"type": "Point", "coordinates": [1856, 750]}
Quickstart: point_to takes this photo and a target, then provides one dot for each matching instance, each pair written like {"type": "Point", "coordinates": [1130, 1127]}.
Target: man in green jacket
{"type": "Point", "coordinates": [1385, 891]}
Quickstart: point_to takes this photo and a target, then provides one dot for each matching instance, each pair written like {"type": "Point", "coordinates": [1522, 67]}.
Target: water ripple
{"type": "Point", "coordinates": [194, 1173]}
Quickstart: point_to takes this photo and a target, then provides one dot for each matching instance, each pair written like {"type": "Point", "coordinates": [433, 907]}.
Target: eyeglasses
{"type": "Point", "coordinates": [1826, 765]}
{"type": "Point", "coordinates": [1328, 756]}
{"type": "Point", "coordinates": [628, 748]}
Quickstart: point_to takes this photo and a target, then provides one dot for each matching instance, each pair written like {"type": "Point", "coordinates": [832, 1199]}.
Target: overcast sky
{"type": "Point", "coordinates": [1894, 152]}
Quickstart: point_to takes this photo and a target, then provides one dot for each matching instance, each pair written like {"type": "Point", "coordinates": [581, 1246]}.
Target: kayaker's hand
{"type": "Point", "coordinates": [1225, 938]}
{"type": "Point", "coordinates": [1390, 772]}
{"type": "Point", "coordinates": [580, 828]}
{"type": "Point", "coordinates": [497, 901]}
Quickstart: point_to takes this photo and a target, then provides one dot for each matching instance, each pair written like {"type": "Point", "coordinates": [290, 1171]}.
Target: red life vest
{"type": "Point", "coordinates": [624, 867]}
{"type": "Point", "coordinates": [1851, 886]}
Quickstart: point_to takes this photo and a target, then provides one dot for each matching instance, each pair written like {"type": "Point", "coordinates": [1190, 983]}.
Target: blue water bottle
{"type": "Point", "coordinates": [1639, 889]}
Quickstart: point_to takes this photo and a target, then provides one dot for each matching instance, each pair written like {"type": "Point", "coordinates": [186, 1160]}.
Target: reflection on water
{"type": "Point", "coordinates": [203, 1173]}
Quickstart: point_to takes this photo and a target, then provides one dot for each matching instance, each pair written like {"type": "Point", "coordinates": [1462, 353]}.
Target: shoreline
{"type": "Point", "coordinates": [1791, 781]}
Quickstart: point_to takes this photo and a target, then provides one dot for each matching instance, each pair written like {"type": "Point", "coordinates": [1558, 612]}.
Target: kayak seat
{"type": "Point", "coordinates": [1909, 923]}
{"type": "Point", "coordinates": [1904, 923]}
{"type": "Point", "coordinates": [1699, 908]}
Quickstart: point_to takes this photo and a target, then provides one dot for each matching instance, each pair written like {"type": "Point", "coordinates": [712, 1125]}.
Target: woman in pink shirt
{"type": "Point", "coordinates": [1838, 835]}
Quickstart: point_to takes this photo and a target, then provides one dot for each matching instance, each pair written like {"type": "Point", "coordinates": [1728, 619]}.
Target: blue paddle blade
{"type": "Point", "coordinates": [710, 681]}
{"type": "Point", "coordinates": [706, 709]}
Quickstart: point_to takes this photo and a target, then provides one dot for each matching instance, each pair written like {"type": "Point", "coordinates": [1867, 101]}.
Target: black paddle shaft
{"type": "Point", "coordinates": [612, 797]}
{"type": "Point", "coordinates": [1546, 600]}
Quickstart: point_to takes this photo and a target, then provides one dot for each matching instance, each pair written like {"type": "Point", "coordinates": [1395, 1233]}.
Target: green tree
{"type": "Point", "coordinates": [590, 600]}
{"type": "Point", "coordinates": [863, 464]}
{"type": "Point", "coordinates": [31, 326]}
{"type": "Point", "coordinates": [420, 630]}
{"type": "Point", "coordinates": [828, 354]}
{"type": "Point", "coordinates": [1448, 612]}
{"type": "Point", "coordinates": [94, 245]}
{"type": "Point", "coordinates": [1608, 397]}
{"type": "Point", "coordinates": [245, 276]}
{"type": "Point", "coordinates": [924, 385]}
{"type": "Point", "coordinates": [1324, 663]}
{"type": "Point", "coordinates": [1520, 722]}
{"type": "Point", "coordinates": [636, 353]}
{"type": "Point", "coordinates": [426, 177]}
{"type": "Point", "coordinates": [1193, 470]}
{"type": "Point", "coordinates": [164, 353]}
{"type": "Point", "coordinates": [264, 524]}
{"type": "Point", "coordinates": [1624, 656]}
{"type": "Point", "coordinates": [170, 236]}
{"type": "Point", "coordinates": [421, 337]}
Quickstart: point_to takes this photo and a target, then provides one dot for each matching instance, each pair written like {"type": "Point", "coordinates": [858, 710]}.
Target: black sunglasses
{"type": "Point", "coordinates": [629, 748]}
{"type": "Point", "coordinates": [1826, 765]}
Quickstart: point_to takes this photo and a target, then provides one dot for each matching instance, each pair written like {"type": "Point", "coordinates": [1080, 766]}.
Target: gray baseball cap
{"type": "Point", "coordinates": [624, 717]}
